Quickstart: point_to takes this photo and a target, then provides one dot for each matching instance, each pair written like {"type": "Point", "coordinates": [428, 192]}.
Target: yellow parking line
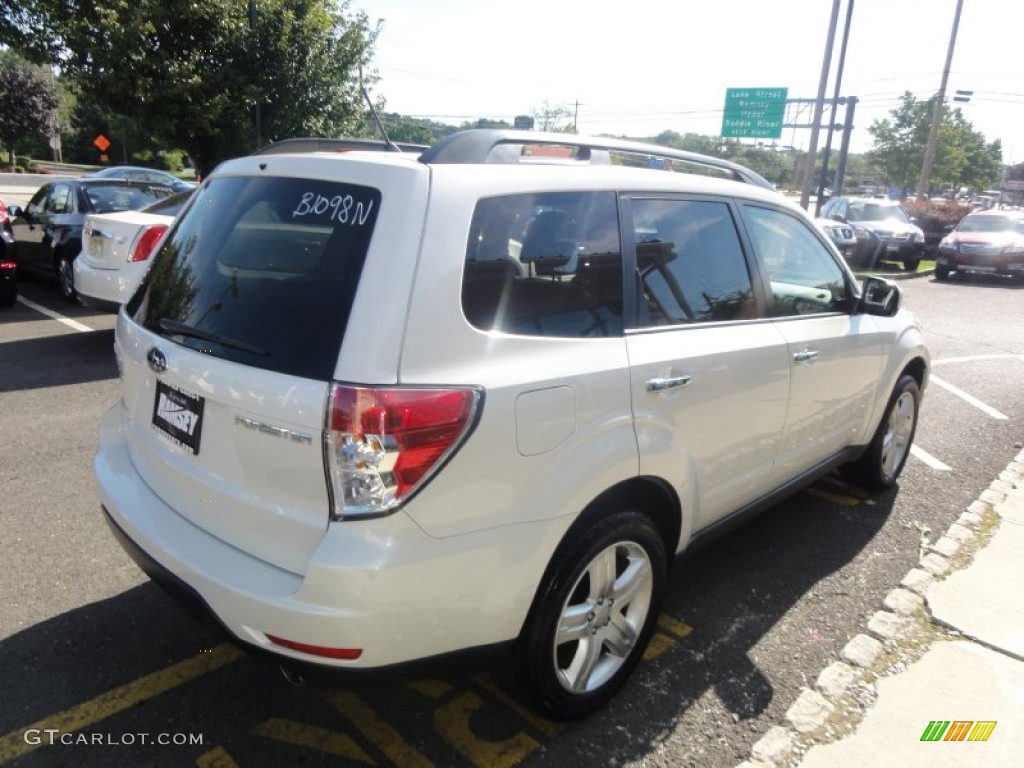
{"type": "Point", "coordinates": [678, 628]}
{"type": "Point", "coordinates": [452, 721]}
{"type": "Point", "coordinates": [846, 501]}
{"type": "Point", "coordinates": [217, 757]}
{"type": "Point", "coordinates": [376, 729]}
{"type": "Point", "coordinates": [657, 645]}
{"type": "Point", "coordinates": [548, 727]}
{"type": "Point", "coordinates": [112, 702]}
{"type": "Point", "coordinates": [312, 737]}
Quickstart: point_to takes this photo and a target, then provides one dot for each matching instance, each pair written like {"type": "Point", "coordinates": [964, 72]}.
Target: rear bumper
{"type": "Point", "coordinates": [382, 585]}
{"type": "Point", "coordinates": [105, 289]}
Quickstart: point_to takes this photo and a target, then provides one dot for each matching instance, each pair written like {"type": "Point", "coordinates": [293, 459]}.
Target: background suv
{"type": "Point", "coordinates": [379, 406]}
{"type": "Point", "coordinates": [883, 230]}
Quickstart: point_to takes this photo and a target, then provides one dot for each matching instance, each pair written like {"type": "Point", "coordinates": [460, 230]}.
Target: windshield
{"type": "Point", "coordinates": [262, 271]}
{"type": "Point", "coordinates": [877, 212]}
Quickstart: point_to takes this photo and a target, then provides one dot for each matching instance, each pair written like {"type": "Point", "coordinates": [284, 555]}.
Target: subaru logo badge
{"type": "Point", "coordinates": [157, 360]}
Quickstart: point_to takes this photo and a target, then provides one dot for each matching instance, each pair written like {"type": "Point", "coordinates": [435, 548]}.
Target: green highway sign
{"type": "Point", "coordinates": [754, 113]}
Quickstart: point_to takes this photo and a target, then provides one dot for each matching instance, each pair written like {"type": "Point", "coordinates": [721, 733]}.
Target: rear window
{"type": "Point", "coordinates": [169, 206]}
{"type": "Point", "coordinates": [110, 198]}
{"type": "Point", "coordinates": [263, 272]}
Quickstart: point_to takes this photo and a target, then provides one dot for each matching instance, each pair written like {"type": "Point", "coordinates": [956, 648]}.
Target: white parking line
{"type": "Point", "coordinates": [970, 399]}
{"type": "Point", "coordinates": [56, 316]}
{"type": "Point", "coordinates": [928, 459]}
{"type": "Point", "coordinates": [977, 358]}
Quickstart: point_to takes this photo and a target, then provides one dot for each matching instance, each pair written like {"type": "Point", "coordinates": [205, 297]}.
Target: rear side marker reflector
{"type": "Point", "coordinates": [349, 654]}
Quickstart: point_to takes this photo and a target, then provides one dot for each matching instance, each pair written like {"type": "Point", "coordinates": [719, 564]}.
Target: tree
{"type": "Point", "coordinates": [27, 104]}
{"type": "Point", "coordinates": [554, 117]}
{"type": "Point", "coordinates": [962, 156]}
{"type": "Point", "coordinates": [192, 73]}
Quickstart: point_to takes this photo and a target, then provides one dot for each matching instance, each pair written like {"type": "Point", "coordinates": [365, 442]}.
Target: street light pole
{"type": "Point", "coordinates": [819, 107]}
{"type": "Point", "coordinates": [940, 98]}
{"type": "Point", "coordinates": [835, 106]}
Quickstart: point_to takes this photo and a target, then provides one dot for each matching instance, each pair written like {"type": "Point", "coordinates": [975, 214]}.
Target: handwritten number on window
{"type": "Point", "coordinates": [343, 209]}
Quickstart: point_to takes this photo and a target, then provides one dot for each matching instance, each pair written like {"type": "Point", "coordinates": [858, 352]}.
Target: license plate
{"type": "Point", "coordinates": [892, 248]}
{"type": "Point", "coordinates": [178, 416]}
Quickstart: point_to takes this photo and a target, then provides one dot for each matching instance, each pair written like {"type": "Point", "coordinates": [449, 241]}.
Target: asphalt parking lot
{"type": "Point", "coordinates": [101, 668]}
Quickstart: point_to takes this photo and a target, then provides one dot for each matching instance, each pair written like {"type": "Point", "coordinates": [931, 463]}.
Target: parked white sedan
{"type": "Point", "coordinates": [116, 248]}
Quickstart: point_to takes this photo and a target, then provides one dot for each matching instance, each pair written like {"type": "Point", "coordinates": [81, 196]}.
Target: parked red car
{"type": "Point", "coordinates": [990, 242]}
{"type": "Point", "coordinates": [8, 268]}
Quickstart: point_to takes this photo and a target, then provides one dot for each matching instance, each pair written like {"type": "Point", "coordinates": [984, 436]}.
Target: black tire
{"type": "Point", "coordinates": [64, 265]}
{"type": "Point", "coordinates": [880, 465]}
{"type": "Point", "coordinates": [912, 263]}
{"type": "Point", "coordinates": [566, 673]}
{"type": "Point", "coordinates": [942, 272]}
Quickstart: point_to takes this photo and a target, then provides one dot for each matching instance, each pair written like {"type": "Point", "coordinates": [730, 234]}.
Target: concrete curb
{"type": "Point", "coordinates": [896, 636]}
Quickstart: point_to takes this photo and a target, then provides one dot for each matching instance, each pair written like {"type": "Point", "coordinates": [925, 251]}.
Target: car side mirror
{"type": "Point", "coordinates": [880, 297]}
{"type": "Point", "coordinates": [14, 211]}
{"type": "Point", "coordinates": [837, 217]}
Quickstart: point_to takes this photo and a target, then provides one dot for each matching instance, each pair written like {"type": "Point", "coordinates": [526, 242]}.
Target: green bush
{"type": "Point", "coordinates": [172, 160]}
{"type": "Point", "coordinates": [145, 157]}
{"type": "Point", "coordinates": [19, 169]}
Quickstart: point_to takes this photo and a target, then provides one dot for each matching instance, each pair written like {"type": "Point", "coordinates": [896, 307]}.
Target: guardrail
{"type": "Point", "coordinates": [62, 169]}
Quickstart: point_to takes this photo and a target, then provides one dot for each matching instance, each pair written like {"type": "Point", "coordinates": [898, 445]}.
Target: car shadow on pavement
{"type": "Point", "coordinates": [29, 363]}
{"type": "Point", "coordinates": [695, 697]}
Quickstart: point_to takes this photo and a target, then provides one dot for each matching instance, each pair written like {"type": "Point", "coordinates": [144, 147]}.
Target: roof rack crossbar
{"type": "Point", "coordinates": [477, 146]}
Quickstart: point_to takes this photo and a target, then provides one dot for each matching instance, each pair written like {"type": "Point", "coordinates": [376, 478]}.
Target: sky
{"type": "Point", "coordinates": [639, 67]}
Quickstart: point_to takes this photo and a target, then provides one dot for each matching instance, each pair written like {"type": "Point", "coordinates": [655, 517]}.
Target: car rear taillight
{"type": "Point", "coordinates": [384, 443]}
{"type": "Point", "coordinates": [146, 242]}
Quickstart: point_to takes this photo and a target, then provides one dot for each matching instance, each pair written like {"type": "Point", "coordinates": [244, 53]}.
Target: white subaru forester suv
{"type": "Point", "coordinates": [379, 407]}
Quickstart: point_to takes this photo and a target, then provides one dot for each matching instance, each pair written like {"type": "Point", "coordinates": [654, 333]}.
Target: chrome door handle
{"type": "Point", "coordinates": [805, 356]}
{"type": "Point", "coordinates": [659, 385]}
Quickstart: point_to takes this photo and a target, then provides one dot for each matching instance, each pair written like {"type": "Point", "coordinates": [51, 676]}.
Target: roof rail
{"type": "Point", "coordinates": [479, 145]}
{"type": "Point", "coordinates": [333, 145]}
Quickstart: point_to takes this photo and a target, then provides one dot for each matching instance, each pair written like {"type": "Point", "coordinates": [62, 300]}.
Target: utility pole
{"type": "Point", "coordinates": [844, 148]}
{"type": "Point", "coordinates": [255, 48]}
{"type": "Point", "coordinates": [940, 98]}
{"type": "Point", "coordinates": [819, 107]}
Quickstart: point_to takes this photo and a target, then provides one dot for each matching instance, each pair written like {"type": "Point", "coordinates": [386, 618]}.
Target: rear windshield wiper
{"type": "Point", "coordinates": [180, 329]}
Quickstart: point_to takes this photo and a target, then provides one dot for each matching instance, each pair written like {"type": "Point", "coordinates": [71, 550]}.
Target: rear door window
{"type": "Point", "coordinates": [262, 271]}
{"type": "Point", "coordinates": [690, 263]}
